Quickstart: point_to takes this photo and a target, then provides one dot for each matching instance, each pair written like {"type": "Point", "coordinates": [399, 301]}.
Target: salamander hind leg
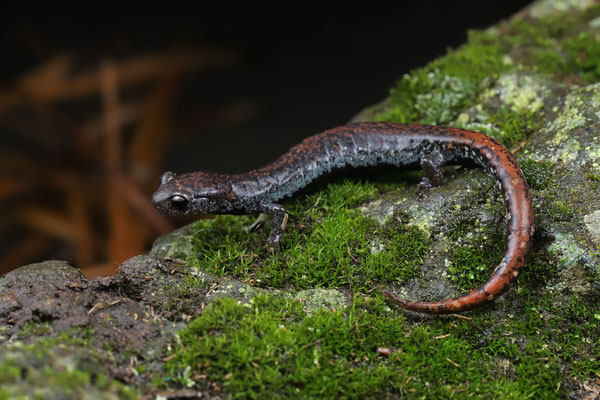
{"type": "Point", "coordinates": [280, 218]}
{"type": "Point", "coordinates": [431, 164]}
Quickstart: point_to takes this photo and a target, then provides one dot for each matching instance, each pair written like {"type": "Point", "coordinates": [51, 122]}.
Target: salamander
{"type": "Point", "coordinates": [366, 144]}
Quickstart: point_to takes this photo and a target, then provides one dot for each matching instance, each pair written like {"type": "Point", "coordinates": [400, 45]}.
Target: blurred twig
{"type": "Point", "coordinates": [51, 82]}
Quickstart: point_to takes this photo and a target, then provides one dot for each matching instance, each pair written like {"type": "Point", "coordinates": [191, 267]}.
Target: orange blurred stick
{"type": "Point", "coordinates": [140, 202]}
{"type": "Point", "coordinates": [47, 221]}
{"type": "Point", "coordinates": [119, 218]}
{"type": "Point", "coordinates": [79, 216]}
{"type": "Point", "coordinates": [51, 83]}
{"type": "Point", "coordinates": [10, 187]}
{"type": "Point", "coordinates": [151, 135]}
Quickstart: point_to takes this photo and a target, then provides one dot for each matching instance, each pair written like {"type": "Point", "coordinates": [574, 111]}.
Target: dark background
{"type": "Point", "coordinates": [304, 68]}
{"type": "Point", "coordinates": [300, 69]}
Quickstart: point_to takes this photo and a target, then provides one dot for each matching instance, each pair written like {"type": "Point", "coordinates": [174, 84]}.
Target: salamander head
{"type": "Point", "coordinates": [192, 194]}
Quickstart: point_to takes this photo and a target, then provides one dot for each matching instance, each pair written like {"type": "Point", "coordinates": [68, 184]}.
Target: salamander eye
{"type": "Point", "coordinates": [179, 202]}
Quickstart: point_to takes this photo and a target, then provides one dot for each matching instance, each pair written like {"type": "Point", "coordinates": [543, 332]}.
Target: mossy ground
{"type": "Point", "coordinates": [271, 347]}
{"type": "Point", "coordinates": [328, 243]}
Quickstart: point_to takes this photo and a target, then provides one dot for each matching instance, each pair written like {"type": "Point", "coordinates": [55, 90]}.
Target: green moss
{"type": "Point", "coordinates": [514, 126]}
{"type": "Point", "coordinates": [539, 38]}
{"type": "Point", "coordinates": [584, 56]}
{"type": "Point", "coordinates": [570, 330]}
{"type": "Point", "coordinates": [481, 57]}
{"type": "Point", "coordinates": [470, 266]}
{"type": "Point", "coordinates": [333, 244]}
{"type": "Point", "coordinates": [271, 348]}
{"type": "Point", "coordinates": [559, 211]}
{"type": "Point", "coordinates": [538, 271]}
{"type": "Point", "coordinates": [34, 329]}
{"type": "Point", "coordinates": [548, 337]}
{"type": "Point", "coordinates": [9, 372]}
{"type": "Point", "coordinates": [539, 174]}
{"type": "Point", "coordinates": [554, 46]}
{"type": "Point", "coordinates": [438, 92]}
{"type": "Point", "coordinates": [582, 337]}
{"type": "Point", "coordinates": [274, 347]}
{"type": "Point", "coordinates": [593, 176]}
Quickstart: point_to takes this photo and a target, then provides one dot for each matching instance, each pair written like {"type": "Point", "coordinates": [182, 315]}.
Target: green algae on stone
{"type": "Point", "coordinates": [570, 117]}
{"type": "Point", "coordinates": [176, 244]}
{"type": "Point", "coordinates": [565, 136]}
{"type": "Point", "coordinates": [593, 152]}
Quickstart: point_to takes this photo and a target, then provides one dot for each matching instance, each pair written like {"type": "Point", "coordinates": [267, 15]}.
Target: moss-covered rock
{"type": "Point", "coordinates": [212, 312]}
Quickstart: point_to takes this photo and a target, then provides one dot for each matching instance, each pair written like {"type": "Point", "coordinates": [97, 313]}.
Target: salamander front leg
{"type": "Point", "coordinates": [431, 164]}
{"type": "Point", "coordinates": [280, 218]}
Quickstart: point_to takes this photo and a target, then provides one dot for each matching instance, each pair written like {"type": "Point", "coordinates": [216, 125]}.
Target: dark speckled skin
{"type": "Point", "coordinates": [362, 145]}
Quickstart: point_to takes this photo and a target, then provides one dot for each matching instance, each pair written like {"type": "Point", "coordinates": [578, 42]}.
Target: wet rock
{"type": "Point", "coordinates": [133, 312]}
{"type": "Point", "coordinates": [51, 291]}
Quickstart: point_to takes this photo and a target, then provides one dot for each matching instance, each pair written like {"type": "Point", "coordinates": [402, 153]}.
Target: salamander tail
{"type": "Point", "coordinates": [450, 306]}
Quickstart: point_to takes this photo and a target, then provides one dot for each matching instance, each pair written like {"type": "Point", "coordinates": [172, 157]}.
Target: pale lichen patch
{"type": "Point", "coordinates": [381, 209]}
{"type": "Point", "coordinates": [566, 248]}
{"type": "Point", "coordinates": [319, 298]}
{"type": "Point", "coordinates": [592, 223]}
{"type": "Point", "coordinates": [548, 8]}
{"type": "Point", "coordinates": [593, 153]}
{"type": "Point", "coordinates": [422, 219]}
{"type": "Point", "coordinates": [522, 92]}
{"type": "Point", "coordinates": [569, 119]}
{"type": "Point", "coordinates": [569, 151]}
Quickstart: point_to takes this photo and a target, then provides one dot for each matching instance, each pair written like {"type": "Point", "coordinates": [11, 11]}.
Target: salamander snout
{"type": "Point", "coordinates": [197, 193]}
